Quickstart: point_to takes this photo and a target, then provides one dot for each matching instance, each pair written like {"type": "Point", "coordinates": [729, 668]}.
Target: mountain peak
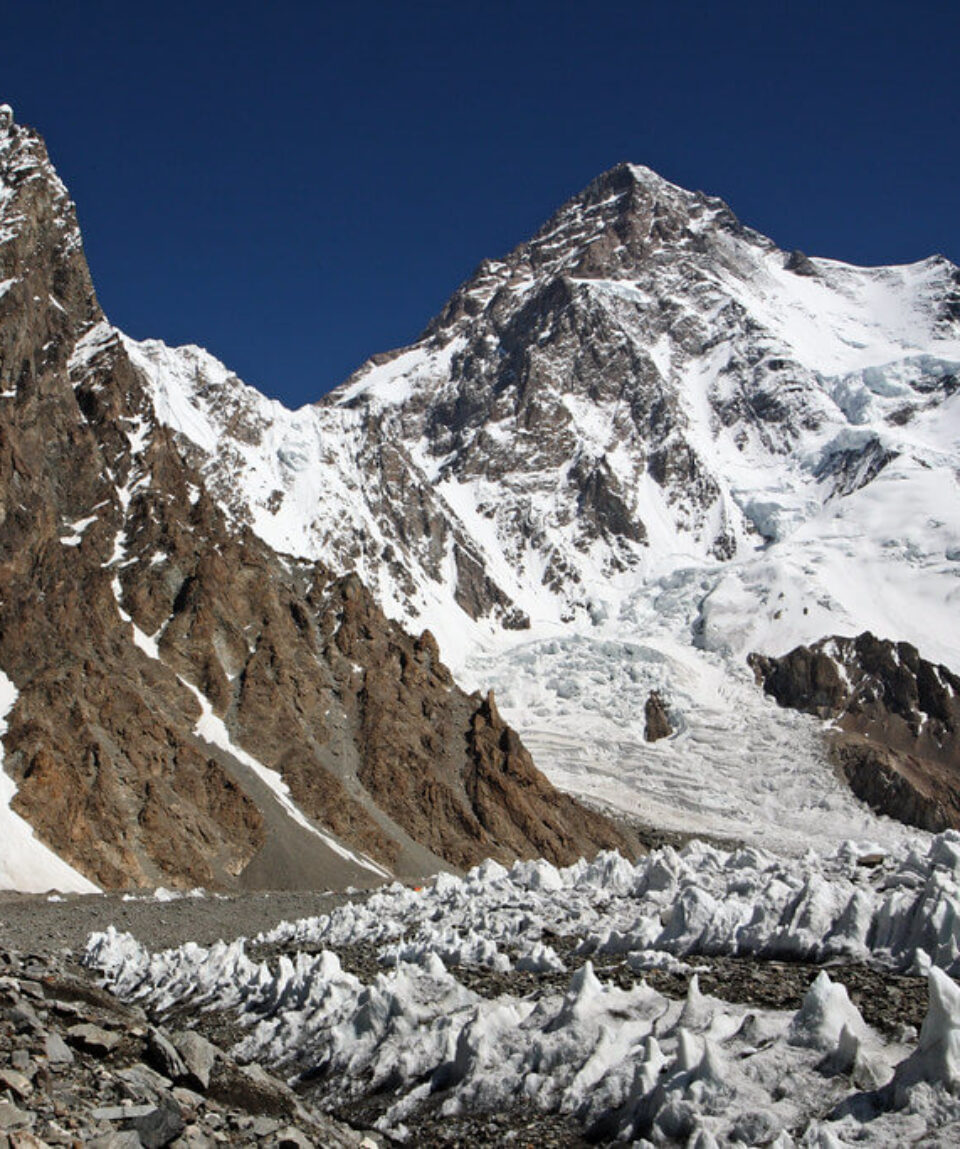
{"type": "Point", "coordinates": [646, 184]}
{"type": "Point", "coordinates": [626, 174]}
{"type": "Point", "coordinates": [623, 218]}
{"type": "Point", "coordinates": [610, 230]}
{"type": "Point", "coordinates": [644, 175]}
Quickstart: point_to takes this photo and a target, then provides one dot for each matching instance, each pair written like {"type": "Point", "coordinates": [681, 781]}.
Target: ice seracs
{"type": "Point", "coordinates": [627, 1063]}
{"type": "Point", "coordinates": [936, 1060]}
{"type": "Point", "coordinates": [825, 1016]}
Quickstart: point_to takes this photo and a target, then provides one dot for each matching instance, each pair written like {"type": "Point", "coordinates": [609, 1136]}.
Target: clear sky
{"type": "Point", "coordinates": [296, 186]}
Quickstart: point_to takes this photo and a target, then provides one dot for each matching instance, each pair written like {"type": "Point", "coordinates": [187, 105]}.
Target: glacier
{"type": "Point", "coordinates": [624, 1062]}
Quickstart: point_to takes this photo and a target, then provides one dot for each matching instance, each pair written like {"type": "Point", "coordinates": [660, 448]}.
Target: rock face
{"type": "Point", "coordinates": [656, 722]}
{"type": "Point", "coordinates": [896, 719]}
{"type": "Point", "coordinates": [193, 708]}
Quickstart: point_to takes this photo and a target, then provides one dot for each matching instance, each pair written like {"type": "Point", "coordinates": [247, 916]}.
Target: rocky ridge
{"type": "Point", "coordinates": [192, 708]}
{"type": "Point", "coordinates": [895, 721]}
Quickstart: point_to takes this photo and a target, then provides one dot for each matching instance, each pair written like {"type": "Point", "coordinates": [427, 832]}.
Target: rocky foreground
{"type": "Point", "coordinates": [80, 1067]}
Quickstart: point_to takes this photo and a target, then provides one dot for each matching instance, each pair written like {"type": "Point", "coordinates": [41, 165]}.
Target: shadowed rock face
{"type": "Point", "coordinates": [896, 736]}
{"type": "Point", "coordinates": [107, 536]}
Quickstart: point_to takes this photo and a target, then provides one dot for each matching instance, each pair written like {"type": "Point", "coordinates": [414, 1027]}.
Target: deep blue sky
{"type": "Point", "coordinates": [296, 186]}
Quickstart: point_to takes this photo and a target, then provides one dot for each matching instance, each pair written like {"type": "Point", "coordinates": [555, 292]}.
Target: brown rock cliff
{"type": "Point", "coordinates": [122, 581]}
{"type": "Point", "coordinates": [895, 718]}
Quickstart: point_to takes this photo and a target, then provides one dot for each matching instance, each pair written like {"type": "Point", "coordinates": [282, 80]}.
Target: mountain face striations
{"type": "Point", "coordinates": [190, 707]}
{"type": "Point", "coordinates": [635, 450]}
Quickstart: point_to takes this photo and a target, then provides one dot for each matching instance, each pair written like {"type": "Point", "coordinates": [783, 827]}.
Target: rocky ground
{"type": "Point", "coordinates": [77, 1067]}
{"type": "Point", "coordinates": [28, 922]}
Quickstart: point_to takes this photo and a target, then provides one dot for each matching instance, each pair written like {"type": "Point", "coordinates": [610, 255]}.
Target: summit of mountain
{"type": "Point", "coordinates": [640, 446]}
{"type": "Point", "coordinates": [644, 384]}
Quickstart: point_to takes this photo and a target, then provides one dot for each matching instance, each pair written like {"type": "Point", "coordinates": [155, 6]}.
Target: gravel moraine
{"type": "Point", "coordinates": [31, 922]}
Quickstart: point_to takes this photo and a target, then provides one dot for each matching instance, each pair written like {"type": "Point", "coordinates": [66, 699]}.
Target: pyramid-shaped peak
{"type": "Point", "coordinates": [633, 192]}
{"type": "Point", "coordinates": [619, 221]}
{"type": "Point", "coordinates": [609, 230]}
{"type": "Point", "coordinates": [627, 177]}
{"type": "Point", "coordinates": [651, 179]}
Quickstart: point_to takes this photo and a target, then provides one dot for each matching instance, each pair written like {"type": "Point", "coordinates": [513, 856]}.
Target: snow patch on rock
{"type": "Point", "coordinates": [26, 863]}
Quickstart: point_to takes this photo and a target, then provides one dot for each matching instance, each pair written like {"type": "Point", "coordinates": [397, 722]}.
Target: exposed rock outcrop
{"type": "Point", "coordinates": [800, 264]}
{"type": "Point", "coordinates": [656, 720]}
{"type": "Point", "coordinates": [895, 721]}
{"type": "Point", "coordinates": [167, 660]}
{"type": "Point", "coordinates": [442, 764]}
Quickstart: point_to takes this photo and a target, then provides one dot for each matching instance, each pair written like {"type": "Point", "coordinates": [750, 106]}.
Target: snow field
{"type": "Point", "coordinates": [627, 1063]}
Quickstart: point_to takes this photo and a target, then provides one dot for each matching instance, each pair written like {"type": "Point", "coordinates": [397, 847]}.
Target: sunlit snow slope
{"type": "Point", "coordinates": [642, 445]}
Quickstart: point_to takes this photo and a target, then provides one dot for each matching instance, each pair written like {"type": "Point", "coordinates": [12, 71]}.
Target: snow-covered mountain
{"type": "Point", "coordinates": [637, 448]}
{"type": "Point", "coordinates": [640, 447]}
